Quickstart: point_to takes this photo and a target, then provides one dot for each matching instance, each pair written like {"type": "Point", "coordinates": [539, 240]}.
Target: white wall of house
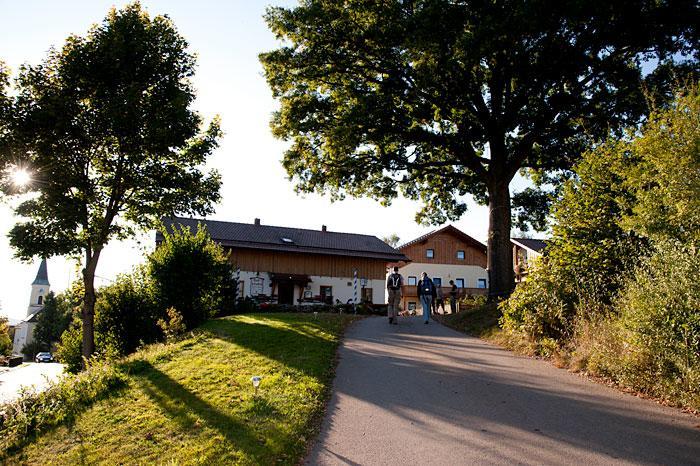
{"type": "Point", "coordinates": [470, 273]}
{"type": "Point", "coordinates": [342, 287]}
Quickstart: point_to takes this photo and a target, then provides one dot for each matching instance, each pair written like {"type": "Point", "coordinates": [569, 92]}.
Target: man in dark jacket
{"type": "Point", "coordinates": [425, 294]}
{"type": "Point", "coordinates": [393, 286]}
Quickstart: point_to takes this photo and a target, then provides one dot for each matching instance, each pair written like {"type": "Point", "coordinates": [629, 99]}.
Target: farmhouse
{"type": "Point", "coordinates": [298, 266]}
{"type": "Point", "coordinates": [445, 254]}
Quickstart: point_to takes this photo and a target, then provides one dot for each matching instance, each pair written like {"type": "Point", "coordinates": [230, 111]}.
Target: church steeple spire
{"type": "Point", "coordinates": [42, 276]}
{"type": "Point", "coordinates": [40, 288]}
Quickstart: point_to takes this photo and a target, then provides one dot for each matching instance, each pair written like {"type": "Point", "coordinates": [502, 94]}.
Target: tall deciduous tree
{"type": "Point", "coordinates": [106, 129]}
{"type": "Point", "coordinates": [439, 99]}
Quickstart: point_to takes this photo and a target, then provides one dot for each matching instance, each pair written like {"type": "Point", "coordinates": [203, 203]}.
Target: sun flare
{"type": "Point", "coordinates": [20, 177]}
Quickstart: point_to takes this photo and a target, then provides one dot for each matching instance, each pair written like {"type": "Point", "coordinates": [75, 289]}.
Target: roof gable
{"type": "Point", "coordinates": [449, 229]}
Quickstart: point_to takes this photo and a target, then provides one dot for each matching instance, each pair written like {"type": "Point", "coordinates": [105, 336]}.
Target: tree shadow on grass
{"type": "Point", "coordinates": [300, 344]}
{"type": "Point", "coordinates": [183, 406]}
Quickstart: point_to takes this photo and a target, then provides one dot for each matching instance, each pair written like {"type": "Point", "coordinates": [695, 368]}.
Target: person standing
{"type": "Point", "coordinates": [439, 299]}
{"type": "Point", "coordinates": [453, 297]}
{"type": "Point", "coordinates": [425, 293]}
{"type": "Point", "coordinates": [393, 286]}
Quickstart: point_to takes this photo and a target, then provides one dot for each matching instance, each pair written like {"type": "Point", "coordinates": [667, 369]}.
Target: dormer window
{"type": "Point", "coordinates": [287, 240]}
{"type": "Point", "coordinates": [429, 253]}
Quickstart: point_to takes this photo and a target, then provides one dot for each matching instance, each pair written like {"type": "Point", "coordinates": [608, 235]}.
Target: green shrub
{"type": "Point", "coordinates": [660, 318]}
{"type": "Point", "coordinates": [33, 413]}
{"type": "Point", "coordinates": [5, 341]}
{"type": "Point", "coordinates": [191, 273]}
{"type": "Point", "coordinates": [174, 326]}
{"type": "Point", "coordinates": [126, 314]}
{"type": "Point", "coordinates": [69, 349]}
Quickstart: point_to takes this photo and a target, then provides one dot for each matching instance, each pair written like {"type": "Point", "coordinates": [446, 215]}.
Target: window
{"type": "Point", "coordinates": [327, 294]}
{"type": "Point", "coordinates": [41, 299]}
{"type": "Point", "coordinates": [412, 281]}
{"type": "Point", "coordinates": [429, 253]}
{"type": "Point", "coordinates": [367, 295]}
{"type": "Point", "coordinates": [241, 289]}
{"type": "Point", "coordinates": [459, 282]}
{"type": "Point", "coordinates": [481, 283]}
{"type": "Point", "coordinates": [460, 255]}
{"type": "Point", "coordinates": [437, 281]}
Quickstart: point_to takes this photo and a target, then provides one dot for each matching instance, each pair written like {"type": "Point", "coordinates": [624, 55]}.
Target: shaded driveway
{"type": "Point", "coordinates": [425, 394]}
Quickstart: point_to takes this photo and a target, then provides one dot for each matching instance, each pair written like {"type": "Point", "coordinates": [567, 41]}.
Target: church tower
{"type": "Point", "coordinates": [24, 331]}
{"type": "Point", "coordinates": [40, 288]}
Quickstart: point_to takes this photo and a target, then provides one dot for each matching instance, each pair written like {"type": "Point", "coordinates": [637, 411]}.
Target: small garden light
{"type": "Point", "coordinates": [256, 382]}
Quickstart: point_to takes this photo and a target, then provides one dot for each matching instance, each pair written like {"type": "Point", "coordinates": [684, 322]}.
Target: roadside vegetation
{"type": "Point", "coordinates": [617, 294]}
{"type": "Point", "coordinates": [189, 401]}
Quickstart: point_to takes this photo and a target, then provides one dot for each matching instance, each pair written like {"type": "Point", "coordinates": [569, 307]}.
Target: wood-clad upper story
{"type": "Point", "coordinates": [446, 246]}
{"type": "Point", "coordinates": [272, 249]}
{"type": "Point", "coordinates": [254, 260]}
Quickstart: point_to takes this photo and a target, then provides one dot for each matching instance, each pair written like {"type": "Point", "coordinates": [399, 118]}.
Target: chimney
{"type": "Point", "coordinates": [257, 222]}
{"type": "Point", "coordinates": [323, 228]}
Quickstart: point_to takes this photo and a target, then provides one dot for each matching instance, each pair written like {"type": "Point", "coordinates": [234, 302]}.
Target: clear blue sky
{"type": "Point", "coordinates": [227, 38]}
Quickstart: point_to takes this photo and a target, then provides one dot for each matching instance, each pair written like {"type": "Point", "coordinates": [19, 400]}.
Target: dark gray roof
{"type": "Point", "coordinates": [251, 236]}
{"type": "Point", "coordinates": [42, 276]}
{"type": "Point", "coordinates": [536, 245]}
{"type": "Point", "coordinates": [448, 229]}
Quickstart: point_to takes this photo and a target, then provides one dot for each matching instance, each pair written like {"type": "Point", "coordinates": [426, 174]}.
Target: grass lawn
{"type": "Point", "coordinates": [192, 402]}
{"type": "Point", "coordinates": [480, 321]}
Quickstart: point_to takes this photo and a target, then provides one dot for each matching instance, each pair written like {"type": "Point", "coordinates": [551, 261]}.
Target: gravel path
{"type": "Point", "coordinates": [425, 394]}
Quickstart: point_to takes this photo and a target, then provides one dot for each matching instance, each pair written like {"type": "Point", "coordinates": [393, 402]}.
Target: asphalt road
{"type": "Point", "coordinates": [425, 394]}
{"type": "Point", "coordinates": [36, 376]}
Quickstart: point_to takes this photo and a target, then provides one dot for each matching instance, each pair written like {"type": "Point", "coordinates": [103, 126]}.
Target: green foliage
{"type": "Point", "coordinates": [69, 349]}
{"type": "Point", "coordinates": [174, 327]}
{"type": "Point", "coordinates": [588, 256]}
{"type": "Point", "coordinates": [106, 128]}
{"type": "Point", "coordinates": [190, 272]}
{"type": "Point", "coordinates": [666, 179]}
{"type": "Point", "coordinates": [34, 413]}
{"type": "Point", "coordinates": [54, 319]}
{"type": "Point", "coordinates": [126, 313]}
{"type": "Point", "coordinates": [661, 325]}
{"type": "Point", "coordinates": [5, 341]}
{"type": "Point", "coordinates": [622, 306]}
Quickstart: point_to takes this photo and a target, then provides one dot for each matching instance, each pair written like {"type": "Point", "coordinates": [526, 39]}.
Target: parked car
{"type": "Point", "coordinates": [43, 357]}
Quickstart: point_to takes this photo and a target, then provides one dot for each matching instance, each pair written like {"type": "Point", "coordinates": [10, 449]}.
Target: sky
{"type": "Point", "coordinates": [227, 38]}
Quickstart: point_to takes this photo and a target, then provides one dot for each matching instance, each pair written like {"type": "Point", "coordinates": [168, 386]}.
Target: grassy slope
{"type": "Point", "coordinates": [481, 321]}
{"type": "Point", "coordinates": [192, 402]}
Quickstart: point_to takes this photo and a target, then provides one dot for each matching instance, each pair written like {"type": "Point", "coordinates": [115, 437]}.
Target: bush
{"type": "Point", "coordinates": [174, 326]}
{"type": "Point", "coordinates": [191, 273]}
{"type": "Point", "coordinates": [5, 341]}
{"type": "Point", "coordinates": [33, 413]}
{"type": "Point", "coordinates": [660, 322]}
{"type": "Point", "coordinates": [126, 314]}
{"type": "Point", "coordinates": [69, 349]}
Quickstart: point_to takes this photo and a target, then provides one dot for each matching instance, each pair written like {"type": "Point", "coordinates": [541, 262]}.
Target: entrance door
{"type": "Point", "coordinates": [285, 293]}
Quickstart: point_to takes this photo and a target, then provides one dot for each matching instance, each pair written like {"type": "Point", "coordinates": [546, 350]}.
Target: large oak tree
{"type": "Point", "coordinates": [439, 99]}
{"type": "Point", "coordinates": [104, 126]}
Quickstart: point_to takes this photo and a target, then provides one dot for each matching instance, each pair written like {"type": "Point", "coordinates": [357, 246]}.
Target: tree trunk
{"type": "Point", "coordinates": [499, 256]}
{"type": "Point", "coordinates": [88, 313]}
